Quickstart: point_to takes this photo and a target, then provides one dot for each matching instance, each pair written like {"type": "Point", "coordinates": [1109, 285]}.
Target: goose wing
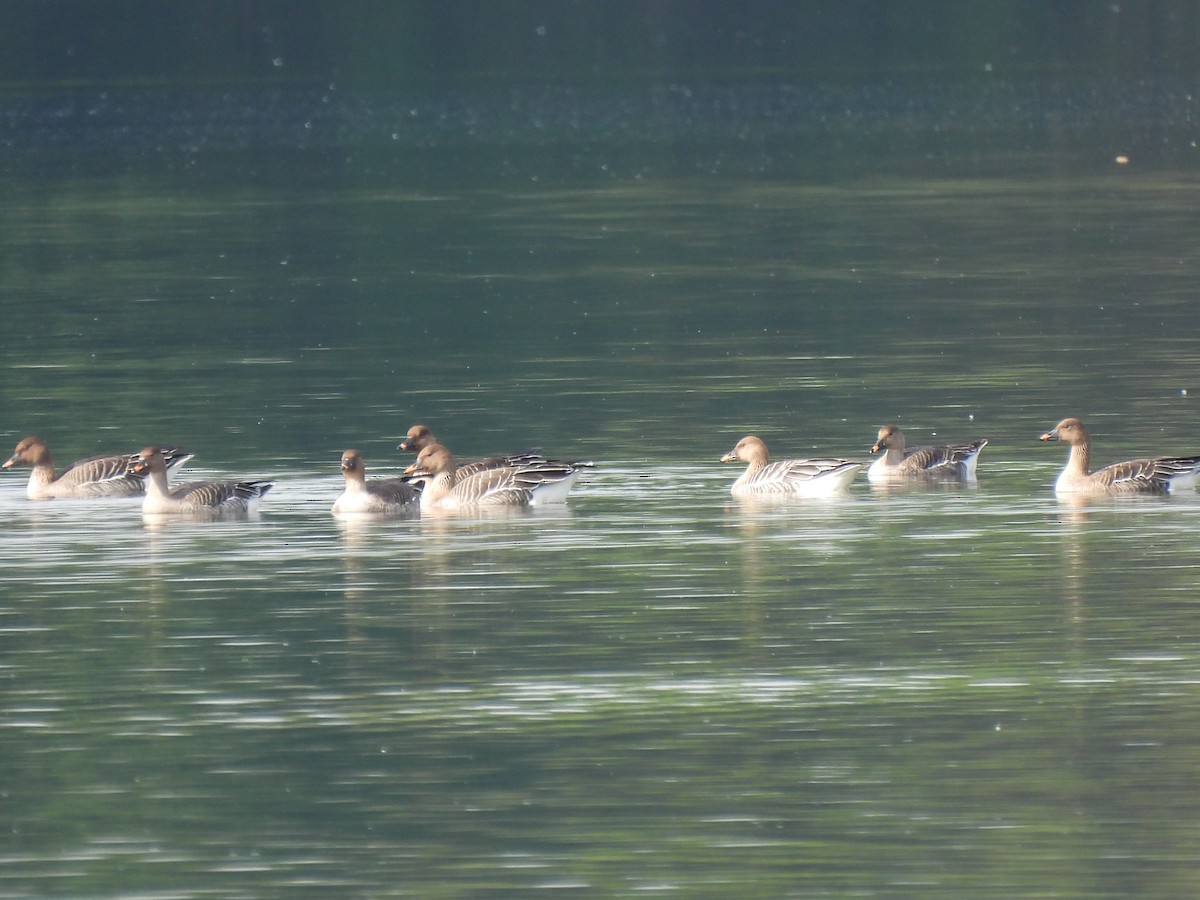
{"type": "Point", "coordinates": [782, 476]}
{"type": "Point", "coordinates": [175, 456]}
{"type": "Point", "coordinates": [492, 486]}
{"type": "Point", "coordinates": [1144, 476]}
{"type": "Point", "coordinates": [809, 468]}
{"type": "Point", "coordinates": [109, 474]}
{"type": "Point", "coordinates": [513, 485]}
{"type": "Point", "coordinates": [948, 458]}
{"type": "Point", "coordinates": [545, 471]}
{"type": "Point", "coordinates": [395, 490]}
{"type": "Point", "coordinates": [524, 457]}
{"type": "Point", "coordinates": [220, 494]}
{"type": "Point", "coordinates": [99, 471]}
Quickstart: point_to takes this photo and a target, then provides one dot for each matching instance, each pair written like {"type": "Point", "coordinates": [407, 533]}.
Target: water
{"type": "Point", "coordinates": [965, 691]}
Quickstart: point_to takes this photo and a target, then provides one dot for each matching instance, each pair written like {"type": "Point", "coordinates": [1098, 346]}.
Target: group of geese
{"type": "Point", "coordinates": [956, 462]}
{"type": "Point", "coordinates": [436, 481]}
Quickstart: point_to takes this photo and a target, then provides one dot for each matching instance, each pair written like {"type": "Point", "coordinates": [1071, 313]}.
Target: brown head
{"type": "Point", "coordinates": [352, 464]}
{"type": "Point", "coordinates": [1069, 431]}
{"type": "Point", "coordinates": [889, 438]}
{"type": "Point", "coordinates": [417, 439]}
{"type": "Point", "coordinates": [432, 460]}
{"type": "Point", "coordinates": [151, 459]}
{"type": "Point", "coordinates": [32, 451]}
{"type": "Point", "coordinates": [749, 449]}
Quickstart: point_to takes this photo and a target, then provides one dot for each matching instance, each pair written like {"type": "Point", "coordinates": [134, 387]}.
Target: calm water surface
{"type": "Point", "coordinates": [968, 691]}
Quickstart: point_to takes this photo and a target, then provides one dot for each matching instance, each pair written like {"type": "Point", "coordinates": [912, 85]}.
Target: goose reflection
{"type": "Point", "coordinates": [923, 486]}
{"type": "Point", "coordinates": [777, 545]}
{"type": "Point", "coordinates": [1074, 513]}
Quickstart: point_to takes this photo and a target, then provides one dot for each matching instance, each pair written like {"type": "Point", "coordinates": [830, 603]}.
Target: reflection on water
{"type": "Point", "coordinates": [504, 694]}
{"type": "Point", "coordinates": [902, 690]}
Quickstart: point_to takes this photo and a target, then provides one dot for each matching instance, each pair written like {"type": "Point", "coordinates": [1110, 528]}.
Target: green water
{"type": "Point", "coordinates": [968, 692]}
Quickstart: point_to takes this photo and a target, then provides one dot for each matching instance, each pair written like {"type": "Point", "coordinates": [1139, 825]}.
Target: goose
{"type": "Point", "coordinates": [212, 497]}
{"type": "Point", "coordinates": [1135, 476]}
{"type": "Point", "coordinates": [789, 476]}
{"type": "Point", "coordinates": [420, 436]}
{"type": "Point", "coordinates": [536, 482]}
{"type": "Point", "coordinates": [381, 495]}
{"type": "Point", "coordinates": [96, 476]}
{"type": "Point", "coordinates": [953, 461]}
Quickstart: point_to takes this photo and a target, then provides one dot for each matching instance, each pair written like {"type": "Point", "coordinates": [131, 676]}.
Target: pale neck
{"type": "Point", "coordinates": [156, 483]}
{"type": "Point", "coordinates": [42, 473]}
{"type": "Point", "coordinates": [1080, 458]}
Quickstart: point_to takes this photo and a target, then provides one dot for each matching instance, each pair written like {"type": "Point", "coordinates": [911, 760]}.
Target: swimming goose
{"type": "Point", "coordinates": [419, 437]}
{"type": "Point", "coordinates": [96, 476]}
{"type": "Point", "coordinates": [954, 461]}
{"type": "Point", "coordinates": [788, 476]}
{"type": "Point", "coordinates": [381, 495]}
{"type": "Point", "coordinates": [212, 497]}
{"type": "Point", "coordinates": [526, 484]}
{"type": "Point", "coordinates": [1134, 476]}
